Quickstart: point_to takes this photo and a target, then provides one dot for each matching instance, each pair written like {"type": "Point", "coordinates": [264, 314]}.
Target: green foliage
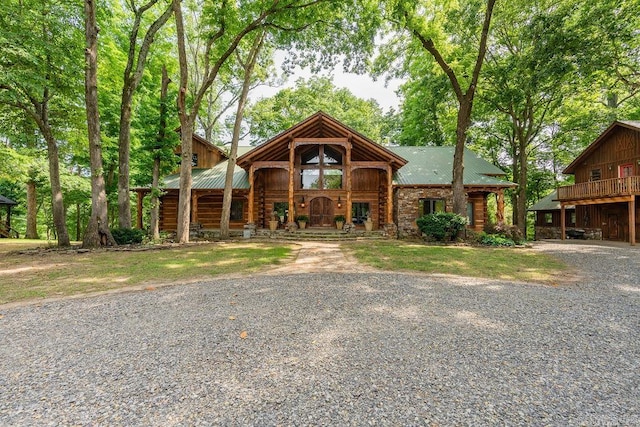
{"type": "Point", "coordinates": [339, 218]}
{"type": "Point", "coordinates": [495, 240]}
{"type": "Point", "coordinates": [128, 236]}
{"type": "Point", "coordinates": [304, 218]}
{"type": "Point", "coordinates": [441, 226]}
{"type": "Point", "coordinates": [510, 232]}
{"type": "Point", "coordinates": [270, 116]}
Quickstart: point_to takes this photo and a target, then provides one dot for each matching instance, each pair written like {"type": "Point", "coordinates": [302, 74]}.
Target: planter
{"type": "Point", "coordinates": [302, 224]}
{"type": "Point", "coordinates": [339, 225]}
{"type": "Point", "coordinates": [368, 225]}
{"type": "Point", "coordinates": [273, 225]}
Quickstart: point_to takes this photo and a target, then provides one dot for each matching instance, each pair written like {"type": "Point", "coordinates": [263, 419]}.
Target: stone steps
{"type": "Point", "coordinates": [321, 235]}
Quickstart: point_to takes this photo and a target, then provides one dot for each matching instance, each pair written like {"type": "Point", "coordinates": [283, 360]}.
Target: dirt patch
{"type": "Point", "coordinates": [314, 257]}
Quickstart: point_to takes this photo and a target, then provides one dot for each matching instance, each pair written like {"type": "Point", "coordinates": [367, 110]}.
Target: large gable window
{"type": "Point", "coordinates": [321, 168]}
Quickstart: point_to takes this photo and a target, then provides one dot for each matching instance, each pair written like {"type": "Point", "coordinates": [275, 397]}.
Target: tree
{"type": "Point", "coordinates": [38, 75]}
{"type": "Point", "coordinates": [248, 67]}
{"type": "Point", "coordinates": [136, 61]}
{"type": "Point", "coordinates": [444, 32]}
{"type": "Point", "coordinates": [97, 232]}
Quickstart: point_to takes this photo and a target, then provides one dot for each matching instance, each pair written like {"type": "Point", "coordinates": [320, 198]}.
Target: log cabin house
{"type": "Point", "coordinates": [607, 185]}
{"type": "Point", "coordinates": [321, 168]}
{"type": "Point", "coordinates": [547, 219]}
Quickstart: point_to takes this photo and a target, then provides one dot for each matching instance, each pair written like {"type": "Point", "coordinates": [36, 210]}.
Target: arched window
{"type": "Point", "coordinates": [321, 168]}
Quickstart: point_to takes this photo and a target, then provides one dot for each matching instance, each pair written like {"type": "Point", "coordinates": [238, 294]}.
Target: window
{"type": "Point", "coordinates": [572, 220]}
{"type": "Point", "coordinates": [359, 212]}
{"type": "Point", "coordinates": [429, 206]}
{"type": "Point", "coordinates": [321, 168]}
{"type": "Point", "coordinates": [625, 170]}
{"type": "Point", "coordinates": [237, 208]}
{"type": "Point", "coordinates": [470, 219]}
{"type": "Point", "coordinates": [194, 160]}
{"type": "Point", "coordinates": [596, 175]}
{"type": "Point", "coordinates": [548, 218]}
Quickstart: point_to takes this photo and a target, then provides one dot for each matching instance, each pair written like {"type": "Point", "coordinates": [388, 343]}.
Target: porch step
{"type": "Point", "coordinates": [322, 235]}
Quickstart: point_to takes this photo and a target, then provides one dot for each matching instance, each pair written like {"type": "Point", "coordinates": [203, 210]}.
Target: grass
{"type": "Point", "coordinates": [492, 263]}
{"type": "Point", "coordinates": [54, 274]}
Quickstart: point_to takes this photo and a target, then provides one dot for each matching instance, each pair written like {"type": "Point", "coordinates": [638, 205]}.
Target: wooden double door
{"type": "Point", "coordinates": [321, 212]}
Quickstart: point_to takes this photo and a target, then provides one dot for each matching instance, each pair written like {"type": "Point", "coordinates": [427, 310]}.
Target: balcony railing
{"type": "Point", "coordinates": [602, 188]}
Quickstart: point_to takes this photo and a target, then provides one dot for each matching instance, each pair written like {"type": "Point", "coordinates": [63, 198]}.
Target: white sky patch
{"type": "Point", "coordinates": [362, 86]}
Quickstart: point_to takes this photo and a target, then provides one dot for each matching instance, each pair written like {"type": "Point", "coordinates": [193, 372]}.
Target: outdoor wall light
{"type": "Point", "coordinates": [339, 202]}
{"type": "Point", "coordinates": [302, 203]}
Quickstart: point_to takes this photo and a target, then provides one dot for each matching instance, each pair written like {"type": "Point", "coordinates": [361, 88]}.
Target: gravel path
{"type": "Point", "coordinates": [335, 349]}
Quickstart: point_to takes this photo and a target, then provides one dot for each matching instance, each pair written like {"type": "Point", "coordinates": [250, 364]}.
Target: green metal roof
{"type": "Point", "coordinates": [548, 203]}
{"type": "Point", "coordinates": [434, 166]}
{"type": "Point", "coordinates": [211, 179]}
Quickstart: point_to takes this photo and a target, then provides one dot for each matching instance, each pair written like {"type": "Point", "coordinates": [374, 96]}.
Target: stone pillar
{"type": "Point", "coordinates": [632, 220]}
{"type": "Point", "coordinates": [563, 228]}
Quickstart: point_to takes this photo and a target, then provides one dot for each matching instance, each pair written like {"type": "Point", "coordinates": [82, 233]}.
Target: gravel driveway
{"type": "Point", "coordinates": [335, 349]}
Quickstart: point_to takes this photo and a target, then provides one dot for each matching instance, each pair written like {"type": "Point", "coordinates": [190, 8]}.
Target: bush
{"type": "Point", "coordinates": [304, 218]}
{"type": "Point", "coordinates": [128, 236]}
{"type": "Point", "coordinates": [441, 225]}
{"type": "Point", "coordinates": [495, 240]}
{"type": "Point", "coordinates": [510, 232]}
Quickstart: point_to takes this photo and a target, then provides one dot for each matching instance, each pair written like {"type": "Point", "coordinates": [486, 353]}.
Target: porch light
{"type": "Point", "coordinates": [302, 202]}
{"type": "Point", "coordinates": [339, 202]}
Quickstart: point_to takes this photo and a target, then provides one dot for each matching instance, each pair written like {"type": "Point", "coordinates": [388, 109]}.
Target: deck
{"type": "Point", "coordinates": [616, 188]}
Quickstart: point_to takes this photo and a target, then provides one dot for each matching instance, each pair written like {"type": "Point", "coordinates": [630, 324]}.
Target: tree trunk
{"type": "Point", "coordinates": [463, 123]}
{"type": "Point", "coordinates": [97, 232]}
{"type": "Point", "coordinates": [124, 147]}
{"type": "Point", "coordinates": [32, 210]}
{"type": "Point", "coordinates": [57, 202]}
{"type": "Point", "coordinates": [186, 133]}
{"type": "Point", "coordinates": [521, 218]}
{"type": "Point", "coordinates": [231, 164]}
{"type": "Point", "coordinates": [162, 132]}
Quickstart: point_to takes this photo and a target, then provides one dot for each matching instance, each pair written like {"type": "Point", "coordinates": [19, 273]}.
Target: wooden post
{"type": "Point", "coordinates": [251, 195]}
{"type": "Point", "coordinates": [563, 227]}
{"type": "Point", "coordinates": [389, 194]}
{"type": "Point", "coordinates": [348, 215]}
{"type": "Point", "coordinates": [139, 217]}
{"type": "Point", "coordinates": [500, 213]}
{"type": "Point", "coordinates": [194, 206]}
{"type": "Point", "coordinates": [632, 220]}
{"type": "Point", "coordinates": [292, 150]}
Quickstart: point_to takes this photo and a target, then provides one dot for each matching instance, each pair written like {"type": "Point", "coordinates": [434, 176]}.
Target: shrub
{"type": "Point", "coordinates": [495, 240]}
{"type": "Point", "coordinates": [339, 218]}
{"type": "Point", "coordinates": [511, 232]}
{"type": "Point", "coordinates": [441, 225]}
{"type": "Point", "coordinates": [304, 218]}
{"type": "Point", "coordinates": [128, 236]}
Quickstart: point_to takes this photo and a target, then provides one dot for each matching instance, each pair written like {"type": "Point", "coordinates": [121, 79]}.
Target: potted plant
{"type": "Point", "coordinates": [273, 222]}
{"type": "Point", "coordinates": [368, 224]}
{"type": "Point", "coordinates": [339, 220]}
{"type": "Point", "coordinates": [302, 221]}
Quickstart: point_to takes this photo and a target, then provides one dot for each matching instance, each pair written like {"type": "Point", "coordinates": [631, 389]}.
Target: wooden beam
{"type": "Point", "coordinates": [389, 194]}
{"type": "Point", "coordinates": [369, 165]}
{"type": "Point", "coordinates": [292, 157]}
{"type": "Point", "coordinates": [632, 221]}
{"type": "Point", "coordinates": [599, 201]}
{"type": "Point", "coordinates": [500, 213]}
{"type": "Point", "coordinates": [270, 164]}
{"type": "Point", "coordinates": [251, 195]}
{"type": "Point", "coordinates": [139, 216]}
{"type": "Point", "coordinates": [563, 227]}
{"type": "Point", "coordinates": [347, 166]}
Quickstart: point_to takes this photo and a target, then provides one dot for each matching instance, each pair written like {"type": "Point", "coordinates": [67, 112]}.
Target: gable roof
{"type": "Point", "coordinates": [434, 166]}
{"type": "Point", "coordinates": [321, 125]}
{"type": "Point", "coordinates": [628, 124]}
{"type": "Point", "coordinates": [549, 202]}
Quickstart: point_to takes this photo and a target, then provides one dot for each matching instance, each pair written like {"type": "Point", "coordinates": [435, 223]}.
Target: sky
{"type": "Point", "coordinates": [362, 86]}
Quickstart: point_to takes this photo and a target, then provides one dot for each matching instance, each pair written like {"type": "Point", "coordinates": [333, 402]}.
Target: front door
{"type": "Point", "coordinates": [321, 212]}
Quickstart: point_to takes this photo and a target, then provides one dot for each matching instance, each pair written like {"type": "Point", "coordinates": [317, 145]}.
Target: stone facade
{"type": "Point", "coordinates": [555, 233]}
{"type": "Point", "coordinates": [407, 207]}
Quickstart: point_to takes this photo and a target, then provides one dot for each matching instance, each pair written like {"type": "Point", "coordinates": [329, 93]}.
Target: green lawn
{"type": "Point", "coordinates": [494, 263]}
{"type": "Point", "coordinates": [52, 274]}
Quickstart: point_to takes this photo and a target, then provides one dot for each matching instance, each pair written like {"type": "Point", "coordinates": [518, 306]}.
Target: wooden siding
{"type": "Point", "coordinates": [210, 212]}
{"type": "Point", "coordinates": [169, 212]}
{"type": "Point", "coordinates": [603, 188]}
{"type": "Point", "coordinates": [621, 147]}
{"type": "Point", "coordinates": [208, 156]}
